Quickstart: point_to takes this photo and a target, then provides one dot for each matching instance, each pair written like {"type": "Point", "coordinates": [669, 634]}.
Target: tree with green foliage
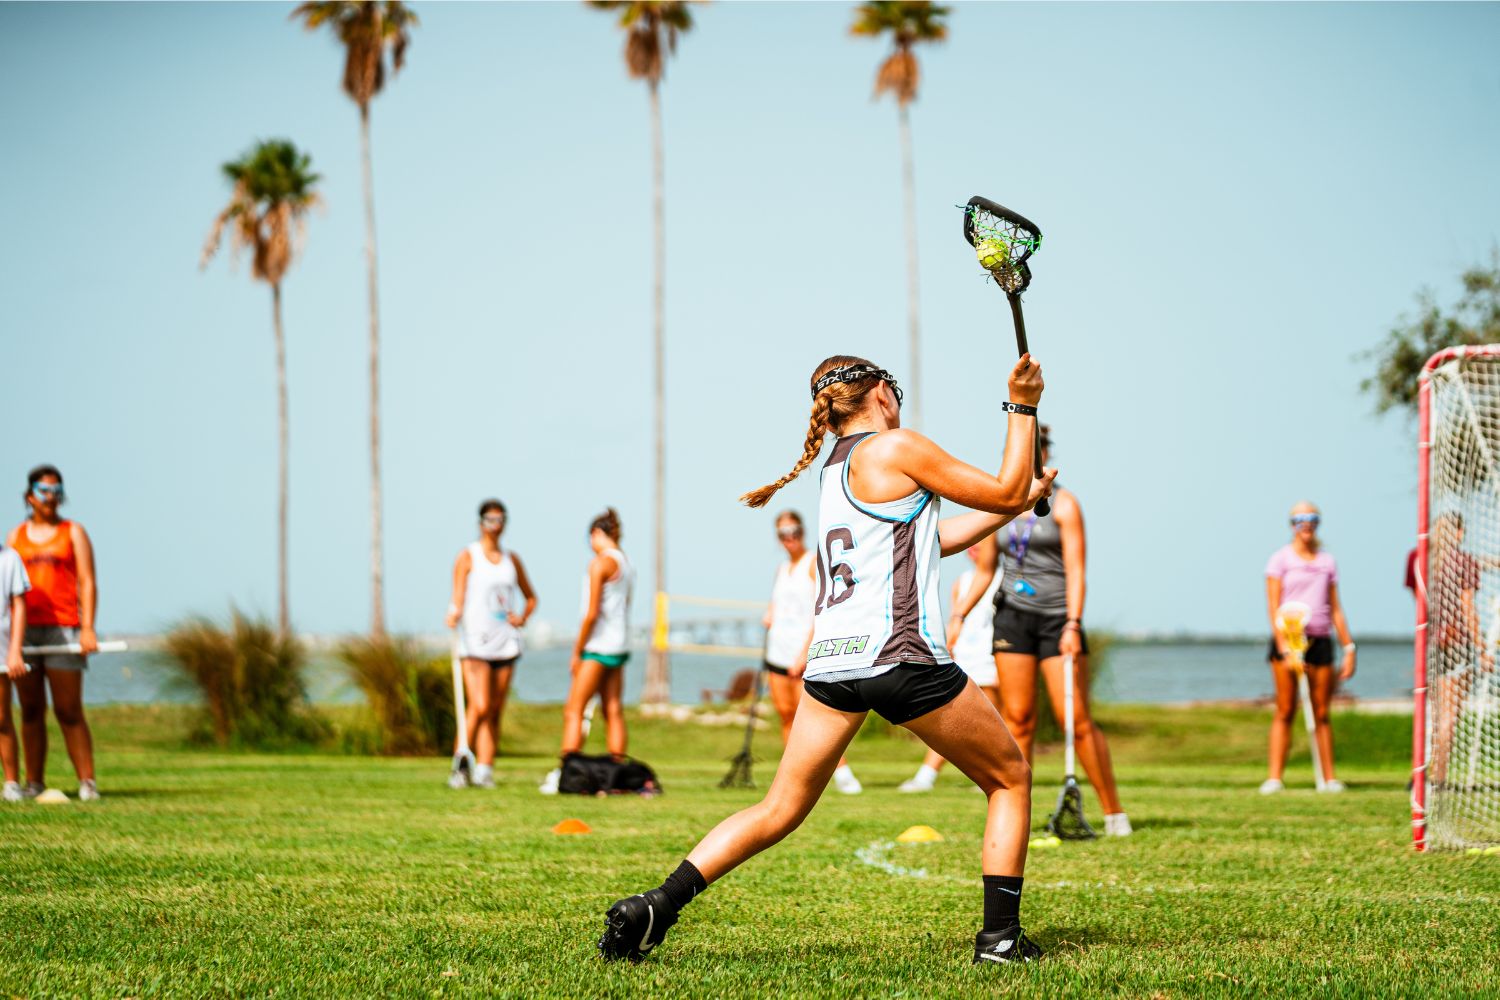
{"type": "Point", "coordinates": [273, 189]}
{"type": "Point", "coordinates": [1474, 319]}
{"type": "Point", "coordinates": [909, 23]}
{"type": "Point", "coordinates": [367, 31]}
{"type": "Point", "coordinates": [651, 30]}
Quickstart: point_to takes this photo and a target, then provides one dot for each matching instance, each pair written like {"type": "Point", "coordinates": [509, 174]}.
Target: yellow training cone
{"type": "Point", "coordinates": [919, 835]}
{"type": "Point", "coordinates": [572, 826]}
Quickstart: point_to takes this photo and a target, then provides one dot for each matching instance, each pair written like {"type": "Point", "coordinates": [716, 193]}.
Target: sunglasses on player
{"type": "Point", "coordinates": [47, 491]}
{"type": "Point", "coordinates": [792, 532]}
{"type": "Point", "coordinates": [492, 520]}
{"type": "Point", "coordinates": [1300, 519]}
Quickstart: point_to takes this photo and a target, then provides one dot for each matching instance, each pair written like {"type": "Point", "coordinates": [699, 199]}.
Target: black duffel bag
{"type": "Point", "coordinates": [588, 774]}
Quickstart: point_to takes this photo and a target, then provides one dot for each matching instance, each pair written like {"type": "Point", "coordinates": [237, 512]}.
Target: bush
{"type": "Point", "coordinates": [410, 694]}
{"type": "Point", "coordinates": [250, 680]}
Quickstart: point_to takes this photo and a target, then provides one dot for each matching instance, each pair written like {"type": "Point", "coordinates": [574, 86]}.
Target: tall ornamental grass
{"type": "Point", "coordinates": [410, 694]}
{"type": "Point", "coordinates": [250, 680]}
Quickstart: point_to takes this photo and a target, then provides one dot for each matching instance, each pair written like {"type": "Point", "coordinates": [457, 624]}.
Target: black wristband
{"type": "Point", "coordinates": [1021, 408]}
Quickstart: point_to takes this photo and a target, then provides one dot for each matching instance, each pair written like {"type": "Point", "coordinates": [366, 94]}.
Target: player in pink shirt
{"type": "Point", "coordinates": [1303, 571]}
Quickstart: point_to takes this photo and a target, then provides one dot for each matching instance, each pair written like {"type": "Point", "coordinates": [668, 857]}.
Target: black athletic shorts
{"type": "Point", "coordinates": [899, 695]}
{"type": "Point", "coordinates": [772, 668]}
{"type": "Point", "coordinates": [1030, 633]}
{"type": "Point", "coordinates": [1319, 651]}
{"type": "Point", "coordinates": [502, 664]}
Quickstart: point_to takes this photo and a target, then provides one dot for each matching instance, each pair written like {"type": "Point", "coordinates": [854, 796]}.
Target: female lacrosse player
{"type": "Point", "coordinates": [485, 580]}
{"type": "Point", "coordinates": [876, 644]}
{"type": "Point", "coordinates": [60, 610]}
{"type": "Point", "coordinates": [603, 644]}
{"type": "Point", "coordinates": [969, 637]}
{"type": "Point", "coordinates": [1038, 622]}
{"type": "Point", "coordinates": [1303, 571]}
{"type": "Point", "coordinates": [1453, 631]}
{"type": "Point", "coordinates": [13, 588]}
{"type": "Point", "coordinates": [789, 630]}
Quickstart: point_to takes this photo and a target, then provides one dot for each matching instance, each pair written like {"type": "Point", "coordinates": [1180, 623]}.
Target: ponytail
{"type": "Point", "coordinates": [817, 427]}
{"type": "Point", "coordinates": [833, 404]}
{"type": "Point", "coordinates": [608, 522]}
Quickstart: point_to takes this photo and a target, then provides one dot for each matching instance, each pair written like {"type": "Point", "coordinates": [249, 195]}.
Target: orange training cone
{"type": "Point", "coordinates": [572, 826]}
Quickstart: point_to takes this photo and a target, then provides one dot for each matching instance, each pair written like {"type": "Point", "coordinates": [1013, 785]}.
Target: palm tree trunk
{"type": "Point", "coordinates": [908, 177]}
{"type": "Point", "coordinates": [658, 683]}
{"type": "Point", "coordinates": [377, 560]}
{"type": "Point", "coordinates": [283, 604]}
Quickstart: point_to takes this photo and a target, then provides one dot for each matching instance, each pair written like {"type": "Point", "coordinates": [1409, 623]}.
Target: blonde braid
{"type": "Point", "coordinates": [817, 427]}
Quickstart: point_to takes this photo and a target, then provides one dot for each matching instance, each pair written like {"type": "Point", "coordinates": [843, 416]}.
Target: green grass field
{"type": "Point", "coordinates": [211, 874]}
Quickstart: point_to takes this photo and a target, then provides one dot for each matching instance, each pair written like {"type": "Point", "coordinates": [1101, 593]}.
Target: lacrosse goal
{"type": "Point", "coordinates": [1456, 718]}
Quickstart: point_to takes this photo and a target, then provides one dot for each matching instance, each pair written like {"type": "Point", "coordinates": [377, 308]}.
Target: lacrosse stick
{"type": "Point", "coordinates": [1291, 622]}
{"type": "Point", "coordinates": [463, 757]}
{"type": "Point", "coordinates": [1067, 821]}
{"type": "Point", "coordinates": [1004, 240]}
{"type": "Point", "coordinates": [739, 765]}
{"type": "Point", "coordinates": [76, 649]}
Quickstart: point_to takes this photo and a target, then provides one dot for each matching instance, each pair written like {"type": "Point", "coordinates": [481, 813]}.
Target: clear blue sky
{"type": "Point", "coordinates": [1237, 200]}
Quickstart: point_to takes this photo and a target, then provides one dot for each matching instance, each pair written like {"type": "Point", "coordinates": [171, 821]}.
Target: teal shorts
{"type": "Point", "coordinates": [614, 661]}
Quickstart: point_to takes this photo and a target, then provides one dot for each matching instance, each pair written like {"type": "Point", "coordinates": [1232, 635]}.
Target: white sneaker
{"type": "Point", "coordinates": [1117, 825]}
{"type": "Point", "coordinates": [88, 791]}
{"type": "Point", "coordinates": [1333, 786]}
{"type": "Point", "coordinates": [458, 779]}
{"type": "Point", "coordinates": [484, 776]}
{"type": "Point", "coordinates": [915, 785]}
{"type": "Point", "coordinates": [845, 781]}
{"type": "Point", "coordinates": [33, 789]}
{"type": "Point", "coordinates": [13, 792]}
{"type": "Point", "coordinates": [549, 783]}
{"type": "Point", "coordinates": [1271, 786]}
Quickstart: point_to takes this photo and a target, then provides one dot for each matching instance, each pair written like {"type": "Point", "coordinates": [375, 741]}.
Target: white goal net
{"type": "Point", "coordinates": [1456, 745]}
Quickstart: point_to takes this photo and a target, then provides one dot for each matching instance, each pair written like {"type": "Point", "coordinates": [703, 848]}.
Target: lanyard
{"type": "Point", "coordinates": [1020, 543]}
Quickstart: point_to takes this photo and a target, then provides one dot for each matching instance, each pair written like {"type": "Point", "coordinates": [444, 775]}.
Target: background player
{"type": "Point", "coordinates": [789, 631]}
{"type": "Point", "coordinates": [486, 579]}
{"type": "Point", "coordinates": [603, 644]}
{"type": "Point", "coordinates": [1303, 571]}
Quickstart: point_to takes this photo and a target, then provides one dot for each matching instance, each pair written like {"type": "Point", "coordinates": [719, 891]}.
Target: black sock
{"type": "Point", "coordinates": [1002, 901]}
{"type": "Point", "coordinates": [683, 884]}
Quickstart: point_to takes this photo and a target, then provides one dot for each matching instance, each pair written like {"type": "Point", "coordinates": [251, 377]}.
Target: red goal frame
{"type": "Point", "coordinates": [1419, 673]}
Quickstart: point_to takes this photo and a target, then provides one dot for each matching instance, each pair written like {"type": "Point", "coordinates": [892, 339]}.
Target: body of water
{"type": "Point", "coordinates": [1135, 672]}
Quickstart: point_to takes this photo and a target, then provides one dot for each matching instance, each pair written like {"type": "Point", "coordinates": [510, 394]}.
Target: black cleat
{"type": "Point", "coordinates": [635, 925]}
{"type": "Point", "coordinates": [1010, 945]}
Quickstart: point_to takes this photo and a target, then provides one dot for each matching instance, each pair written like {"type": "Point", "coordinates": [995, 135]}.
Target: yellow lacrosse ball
{"type": "Point", "coordinates": [992, 252]}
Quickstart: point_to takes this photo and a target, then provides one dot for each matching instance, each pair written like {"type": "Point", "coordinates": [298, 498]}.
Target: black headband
{"type": "Point", "coordinates": [853, 373]}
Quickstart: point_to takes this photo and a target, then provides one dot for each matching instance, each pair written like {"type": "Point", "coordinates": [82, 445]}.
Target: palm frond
{"type": "Point", "coordinates": [651, 30]}
{"type": "Point", "coordinates": [908, 22]}
{"type": "Point", "coordinates": [366, 30]}
{"type": "Point", "coordinates": [273, 190]}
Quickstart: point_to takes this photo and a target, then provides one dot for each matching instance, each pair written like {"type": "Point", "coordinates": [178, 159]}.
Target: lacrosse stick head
{"type": "Point", "coordinates": [1291, 622]}
{"type": "Point", "coordinates": [1067, 822]}
{"type": "Point", "coordinates": [1003, 240]}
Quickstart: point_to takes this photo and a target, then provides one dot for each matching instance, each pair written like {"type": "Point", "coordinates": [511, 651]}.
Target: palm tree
{"type": "Point", "coordinates": [651, 31]}
{"type": "Point", "coordinates": [367, 30]}
{"type": "Point", "coordinates": [267, 211]}
{"type": "Point", "coordinates": [908, 22]}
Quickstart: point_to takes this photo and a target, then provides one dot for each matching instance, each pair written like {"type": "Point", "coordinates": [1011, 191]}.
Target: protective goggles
{"type": "Point", "coordinates": [1300, 519]}
{"type": "Point", "coordinates": [853, 373]}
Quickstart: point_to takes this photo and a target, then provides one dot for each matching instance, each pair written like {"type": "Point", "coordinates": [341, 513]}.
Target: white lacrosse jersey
{"type": "Point", "coordinates": [879, 596]}
{"type": "Point", "coordinates": [491, 596]}
{"type": "Point", "coordinates": [792, 599]}
{"type": "Point", "coordinates": [973, 649]}
{"type": "Point", "coordinates": [611, 634]}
